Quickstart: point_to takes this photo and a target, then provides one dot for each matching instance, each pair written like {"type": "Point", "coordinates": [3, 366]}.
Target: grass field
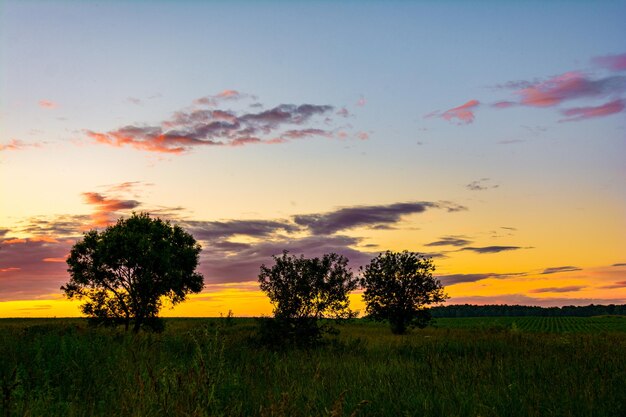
{"type": "Point", "coordinates": [555, 366]}
{"type": "Point", "coordinates": [538, 324]}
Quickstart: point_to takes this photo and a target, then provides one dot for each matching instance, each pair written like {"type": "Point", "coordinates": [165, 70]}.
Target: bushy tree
{"type": "Point", "coordinates": [128, 270]}
{"type": "Point", "coordinates": [398, 287]}
{"type": "Point", "coordinates": [303, 291]}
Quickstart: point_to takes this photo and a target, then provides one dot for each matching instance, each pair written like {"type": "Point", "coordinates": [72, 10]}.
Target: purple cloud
{"type": "Point", "coordinates": [453, 279]}
{"type": "Point", "coordinates": [491, 249]}
{"type": "Point", "coordinates": [569, 86]}
{"type": "Point", "coordinates": [590, 112]}
{"type": "Point", "coordinates": [615, 285]}
{"type": "Point", "coordinates": [571, 288]}
{"type": "Point", "coordinates": [365, 216]}
{"type": "Point", "coordinates": [557, 269]}
{"type": "Point", "coordinates": [611, 62]}
{"type": "Point", "coordinates": [32, 268]}
{"type": "Point", "coordinates": [211, 230]}
{"type": "Point", "coordinates": [201, 126]}
{"type": "Point", "coordinates": [450, 241]}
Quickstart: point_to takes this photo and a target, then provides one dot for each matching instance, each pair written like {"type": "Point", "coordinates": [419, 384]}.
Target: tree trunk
{"type": "Point", "coordinates": [137, 325]}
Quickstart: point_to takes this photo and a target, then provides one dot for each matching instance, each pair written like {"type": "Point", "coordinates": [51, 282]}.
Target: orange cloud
{"type": "Point", "coordinates": [54, 260]}
{"type": "Point", "coordinates": [14, 241]}
{"type": "Point", "coordinates": [106, 208]}
{"type": "Point", "coordinates": [16, 145]}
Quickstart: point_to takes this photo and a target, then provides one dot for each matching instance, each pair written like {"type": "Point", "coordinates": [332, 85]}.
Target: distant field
{"type": "Point", "coordinates": [538, 324]}
{"type": "Point", "coordinates": [499, 366]}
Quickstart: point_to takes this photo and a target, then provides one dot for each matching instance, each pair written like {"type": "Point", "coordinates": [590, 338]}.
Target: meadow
{"type": "Point", "coordinates": [500, 366]}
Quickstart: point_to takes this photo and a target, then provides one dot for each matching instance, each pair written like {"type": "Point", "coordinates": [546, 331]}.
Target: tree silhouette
{"type": "Point", "coordinates": [303, 291]}
{"type": "Point", "coordinates": [398, 287]}
{"type": "Point", "coordinates": [128, 270]}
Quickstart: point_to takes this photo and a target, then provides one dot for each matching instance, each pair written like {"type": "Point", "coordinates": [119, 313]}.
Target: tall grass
{"type": "Point", "coordinates": [206, 367]}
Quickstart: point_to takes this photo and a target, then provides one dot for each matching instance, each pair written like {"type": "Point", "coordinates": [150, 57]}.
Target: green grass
{"type": "Point", "coordinates": [538, 324]}
{"type": "Point", "coordinates": [204, 367]}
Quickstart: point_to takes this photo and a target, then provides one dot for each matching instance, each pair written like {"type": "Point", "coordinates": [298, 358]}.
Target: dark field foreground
{"type": "Point", "coordinates": [212, 367]}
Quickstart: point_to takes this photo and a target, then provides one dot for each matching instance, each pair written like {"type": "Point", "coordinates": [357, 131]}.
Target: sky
{"type": "Point", "coordinates": [488, 135]}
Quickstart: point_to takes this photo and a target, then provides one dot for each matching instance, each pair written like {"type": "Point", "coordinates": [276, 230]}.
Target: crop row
{"type": "Point", "coordinates": [540, 324]}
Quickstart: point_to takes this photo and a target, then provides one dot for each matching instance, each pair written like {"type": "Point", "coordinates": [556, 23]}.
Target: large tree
{"type": "Point", "coordinates": [303, 291]}
{"type": "Point", "coordinates": [398, 288]}
{"type": "Point", "coordinates": [128, 270]}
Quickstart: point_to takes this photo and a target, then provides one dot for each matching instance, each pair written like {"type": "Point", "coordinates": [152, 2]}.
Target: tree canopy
{"type": "Point", "coordinates": [304, 290]}
{"type": "Point", "coordinates": [398, 287]}
{"type": "Point", "coordinates": [128, 270]}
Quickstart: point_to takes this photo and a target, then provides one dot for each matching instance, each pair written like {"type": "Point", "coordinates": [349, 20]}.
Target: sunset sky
{"type": "Point", "coordinates": [490, 135]}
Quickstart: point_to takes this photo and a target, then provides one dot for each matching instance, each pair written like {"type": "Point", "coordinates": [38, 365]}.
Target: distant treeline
{"type": "Point", "coordinates": [469, 310]}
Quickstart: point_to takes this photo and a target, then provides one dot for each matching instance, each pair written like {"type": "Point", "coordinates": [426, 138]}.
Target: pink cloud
{"type": "Point", "coordinates": [363, 135]}
{"type": "Point", "coordinates": [464, 113]}
{"type": "Point", "coordinates": [568, 86]}
{"type": "Point", "coordinates": [343, 112]}
{"type": "Point", "coordinates": [26, 274]}
{"type": "Point", "coordinates": [361, 102]}
{"type": "Point", "coordinates": [611, 62]}
{"type": "Point", "coordinates": [47, 104]}
{"type": "Point", "coordinates": [504, 104]}
{"type": "Point", "coordinates": [582, 113]}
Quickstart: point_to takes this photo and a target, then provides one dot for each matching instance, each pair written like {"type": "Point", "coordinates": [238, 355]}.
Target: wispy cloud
{"type": "Point", "coordinates": [611, 62]}
{"type": "Point", "coordinates": [226, 95]}
{"type": "Point", "coordinates": [557, 269]}
{"type": "Point", "coordinates": [47, 104]}
{"type": "Point", "coordinates": [450, 241]}
{"type": "Point", "coordinates": [570, 288]}
{"type": "Point", "coordinates": [461, 115]}
{"type": "Point", "coordinates": [17, 145]}
{"type": "Point", "coordinates": [205, 125]}
{"type": "Point", "coordinates": [453, 279]}
{"type": "Point", "coordinates": [589, 112]}
{"type": "Point", "coordinates": [481, 185]}
{"type": "Point", "coordinates": [615, 285]}
{"type": "Point", "coordinates": [366, 216]}
{"type": "Point", "coordinates": [54, 227]}
{"type": "Point", "coordinates": [569, 86]}
{"type": "Point", "coordinates": [491, 249]}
